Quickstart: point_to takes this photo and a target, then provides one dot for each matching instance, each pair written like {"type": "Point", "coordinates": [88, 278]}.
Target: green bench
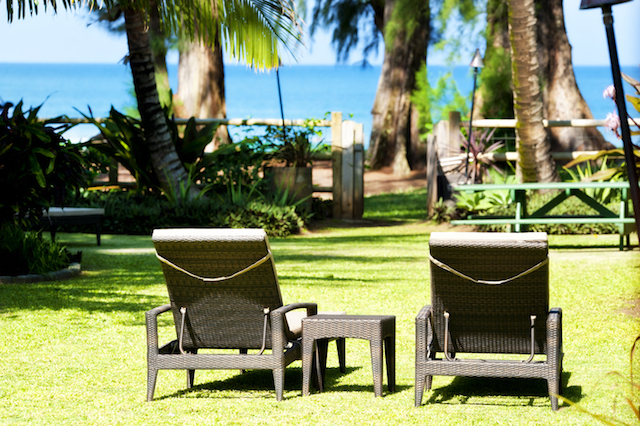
{"type": "Point", "coordinates": [519, 222]}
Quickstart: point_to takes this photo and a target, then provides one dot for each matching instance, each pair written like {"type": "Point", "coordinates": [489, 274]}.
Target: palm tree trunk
{"type": "Point", "coordinates": [394, 140]}
{"type": "Point", "coordinates": [562, 98]}
{"type": "Point", "coordinates": [166, 163]}
{"type": "Point", "coordinates": [535, 163]}
{"type": "Point", "coordinates": [201, 91]}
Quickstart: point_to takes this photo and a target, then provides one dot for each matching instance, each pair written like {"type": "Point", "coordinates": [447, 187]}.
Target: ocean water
{"type": "Point", "coordinates": [307, 91]}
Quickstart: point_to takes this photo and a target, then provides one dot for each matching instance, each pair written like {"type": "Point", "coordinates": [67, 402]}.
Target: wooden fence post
{"type": "Point", "coordinates": [352, 173]}
{"type": "Point", "coordinates": [432, 173]}
{"type": "Point", "coordinates": [336, 162]}
{"type": "Point", "coordinates": [358, 172]}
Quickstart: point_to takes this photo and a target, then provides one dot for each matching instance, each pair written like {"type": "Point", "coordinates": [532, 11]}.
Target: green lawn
{"type": "Point", "coordinates": [75, 352]}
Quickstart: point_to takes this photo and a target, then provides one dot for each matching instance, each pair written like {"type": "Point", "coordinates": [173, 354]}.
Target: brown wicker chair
{"type": "Point", "coordinates": [224, 294]}
{"type": "Point", "coordinates": [489, 295]}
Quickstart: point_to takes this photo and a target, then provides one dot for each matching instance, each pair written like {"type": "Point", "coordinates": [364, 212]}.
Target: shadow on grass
{"type": "Point", "coordinates": [462, 389]}
{"type": "Point", "coordinates": [252, 381]}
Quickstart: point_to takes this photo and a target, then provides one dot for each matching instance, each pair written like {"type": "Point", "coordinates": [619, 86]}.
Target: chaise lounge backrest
{"type": "Point", "coordinates": [225, 278]}
{"type": "Point", "coordinates": [489, 317]}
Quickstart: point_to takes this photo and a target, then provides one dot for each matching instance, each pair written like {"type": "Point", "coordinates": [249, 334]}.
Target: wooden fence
{"type": "Point", "coordinates": [347, 156]}
{"type": "Point", "coordinates": [444, 157]}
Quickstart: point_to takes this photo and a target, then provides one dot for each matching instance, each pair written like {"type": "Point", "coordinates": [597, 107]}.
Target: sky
{"type": "Point", "coordinates": [66, 38]}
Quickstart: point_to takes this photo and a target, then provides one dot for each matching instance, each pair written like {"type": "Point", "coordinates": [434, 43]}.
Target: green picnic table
{"type": "Point", "coordinates": [519, 222]}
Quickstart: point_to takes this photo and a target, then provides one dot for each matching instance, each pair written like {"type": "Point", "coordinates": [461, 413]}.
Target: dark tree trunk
{"type": "Point", "coordinates": [201, 92]}
{"type": "Point", "coordinates": [166, 163]}
{"type": "Point", "coordinates": [562, 98]}
{"type": "Point", "coordinates": [158, 47]}
{"type": "Point", "coordinates": [494, 99]}
{"type": "Point", "coordinates": [394, 140]}
{"type": "Point", "coordinates": [534, 163]}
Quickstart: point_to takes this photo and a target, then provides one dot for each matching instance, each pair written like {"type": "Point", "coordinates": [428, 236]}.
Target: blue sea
{"type": "Point", "coordinates": [307, 91]}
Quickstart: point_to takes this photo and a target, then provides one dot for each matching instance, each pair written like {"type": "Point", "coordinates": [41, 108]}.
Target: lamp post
{"type": "Point", "coordinates": [476, 63]}
{"type": "Point", "coordinates": [284, 128]}
{"type": "Point", "coordinates": [607, 17]}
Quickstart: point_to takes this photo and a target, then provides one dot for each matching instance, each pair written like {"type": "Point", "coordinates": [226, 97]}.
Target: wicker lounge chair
{"type": "Point", "coordinates": [489, 295]}
{"type": "Point", "coordinates": [224, 294]}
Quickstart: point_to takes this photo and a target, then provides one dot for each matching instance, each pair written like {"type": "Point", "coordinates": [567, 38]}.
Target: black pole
{"type": "Point", "coordinates": [607, 17]}
{"type": "Point", "coordinates": [473, 100]}
{"type": "Point", "coordinates": [284, 129]}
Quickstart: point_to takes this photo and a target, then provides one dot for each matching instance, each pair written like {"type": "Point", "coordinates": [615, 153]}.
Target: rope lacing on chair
{"type": "Point", "coordinates": [216, 279]}
{"type": "Point", "coordinates": [183, 310]}
{"type": "Point", "coordinates": [499, 282]}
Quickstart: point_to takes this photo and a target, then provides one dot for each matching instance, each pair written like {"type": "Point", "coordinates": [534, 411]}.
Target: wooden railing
{"type": "Point", "coordinates": [443, 147]}
{"type": "Point", "coordinates": [347, 156]}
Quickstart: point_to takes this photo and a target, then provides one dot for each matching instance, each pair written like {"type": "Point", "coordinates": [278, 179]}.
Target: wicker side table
{"type": "Point", "coordinates": [377, 329]}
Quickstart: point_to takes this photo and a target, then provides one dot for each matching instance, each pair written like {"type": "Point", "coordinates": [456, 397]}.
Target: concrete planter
{"type": "Point", "coordinates": [296, 181]}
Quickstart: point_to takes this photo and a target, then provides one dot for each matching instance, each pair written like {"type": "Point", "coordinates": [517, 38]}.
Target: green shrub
{"type": "Point", "coordinates": [571, 207]}
{"type": "Point", "coordinates": [24, 253]}
{"type": "Point", "coordinates": [138, 214]}
{"type": "Point", "coordinates": [38, 166]}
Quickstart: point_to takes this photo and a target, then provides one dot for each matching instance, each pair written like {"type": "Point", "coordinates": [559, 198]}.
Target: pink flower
{"type": "Point", "coordinates": [609, 92]}
{"type": "Point", "coordinates": [612, 122]}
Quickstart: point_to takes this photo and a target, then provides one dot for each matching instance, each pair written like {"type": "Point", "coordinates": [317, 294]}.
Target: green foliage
{"type": "Point", "coordinates": [277, 221]}
{"type": "Point", "coordinates": [495, 84]}
{"type": "Point", "coordinates": [479, 144]}
{"type": "Point", "coordinates": [434, 103]}
{"type": "Point", "coordinates": [406, 18]}
{"type": "Point", "coordinates": [443, 212]}
{"type": "Point", "coordinates": [138, 214]}
{"type": "Point", "coordinates": [487, 202]}
{"type": "Point", "coordinates": [126, 143]}
{"type": "Point", "coordinates": [38, 167]}
{"type": "Point", "coordinates": [614, 173]}
{"type": "Point", "coordinates": [23, 253]}
{"type": "Point", "coordinates": [235, 163]}
{"type": "Point", "coordinates": [587, 174]}
{"type": "Point", "coordinates": [294, 145]}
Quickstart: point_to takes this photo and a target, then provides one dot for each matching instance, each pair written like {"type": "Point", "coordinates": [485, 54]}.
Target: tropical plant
{"type": "Point", "coordinates": [613, 123]}
{"type": "Point", "coordinates": [23, 253]}
{"type": "Point", "coordinates": [588, 174]}
{"type": "Point", "coordinates": [294, 146]}
{"type": "Point", "coordinates": [126, 142]}
{"type": "Point", "coordinates": [38, 167]}
{"type": "Point", "coordinates": [487, 202]}
{"type": "Point", "coordinates": [252, 31]}
{"type": "Point", "coordinates": [478, 146]}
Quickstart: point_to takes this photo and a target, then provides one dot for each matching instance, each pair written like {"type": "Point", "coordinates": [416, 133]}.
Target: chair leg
{"type": "Point", "coordinates": [420, 382]}
{"type": "Point", "coordinates": [152, 375]}
{"type": "Point", "coordinates": [342, 357]}
{"type": "Point", "coordinates": [322, 349]}
{"type": "Point", "coordinates": [390, 355]}
{"type": "Point", "coordinates": [554, 389]}
{"type": "Point", "coordinates": [278, 380]}
{"type": "Point", "coordinates": [376, 366]}
{"type": "Point", "coordinates": [190, 377]}
{"type": "Point", "coordinates": [243, 352]}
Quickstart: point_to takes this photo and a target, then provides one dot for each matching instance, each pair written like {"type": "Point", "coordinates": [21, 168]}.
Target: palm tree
{"type": "Point", "coordinates": [535, 163]}
{"type": "Point", "coordinates": [252, 31]}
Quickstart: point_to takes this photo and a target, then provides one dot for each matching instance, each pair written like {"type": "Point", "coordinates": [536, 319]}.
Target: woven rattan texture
{"type": "Point", "coordinates": [227, 314]}
{"type": "Point", "coordinates": [489, 318]}
{"type": "Point", "coordinates": [379, 330]}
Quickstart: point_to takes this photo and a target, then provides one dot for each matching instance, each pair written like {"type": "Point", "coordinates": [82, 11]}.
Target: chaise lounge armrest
{"type": "Point", "coordinates": [151, 317]}
{"type": "Point", "coordinates": [289, 331]}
